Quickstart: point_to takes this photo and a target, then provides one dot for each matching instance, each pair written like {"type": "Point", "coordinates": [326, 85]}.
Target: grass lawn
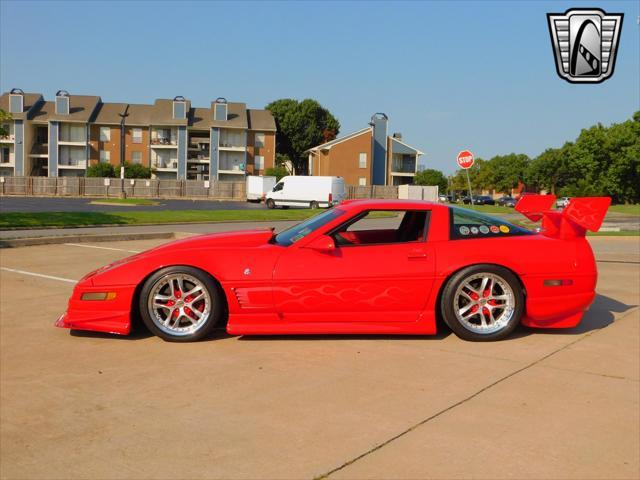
{"type": "Point", "coordinates": [626, 209]}
{"type": "Point", "coordinates": [79, 219]}
{"type": "Point", "coordinates": [125, 201]}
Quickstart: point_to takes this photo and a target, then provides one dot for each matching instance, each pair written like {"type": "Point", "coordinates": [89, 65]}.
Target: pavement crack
{"type": "Point", "coordinates": [462, 402]}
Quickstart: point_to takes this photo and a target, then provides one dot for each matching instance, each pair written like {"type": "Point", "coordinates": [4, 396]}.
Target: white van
{"type": "Point", "coordinates": [310, 192]}
{"type": "Point", "coordinates": [257, 187]}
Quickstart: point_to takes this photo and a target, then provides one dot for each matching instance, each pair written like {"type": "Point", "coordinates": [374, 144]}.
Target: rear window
{"type": "Point", "coordinates": [469, 224]}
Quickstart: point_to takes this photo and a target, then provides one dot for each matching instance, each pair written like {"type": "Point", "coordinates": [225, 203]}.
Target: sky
{"type": "Point", "coordinates": [450, 75]}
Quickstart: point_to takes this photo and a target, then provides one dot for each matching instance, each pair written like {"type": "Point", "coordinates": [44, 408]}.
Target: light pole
{"type": "Point", "coordinates": [123, 115]}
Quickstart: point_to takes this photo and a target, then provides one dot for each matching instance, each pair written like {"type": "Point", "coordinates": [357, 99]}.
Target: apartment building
{"type": "Point", "coordinates": [225, 141]}
{"type": "Point", "coordinates": [14, 155]}
{"type": "Point", "coordinates": [367, 157]}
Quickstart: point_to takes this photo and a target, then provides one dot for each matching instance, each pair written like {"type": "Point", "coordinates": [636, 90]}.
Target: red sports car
{"type": "Point", "coordinates": [368, 266]}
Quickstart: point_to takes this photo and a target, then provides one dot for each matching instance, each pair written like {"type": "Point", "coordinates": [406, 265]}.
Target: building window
{"type": "Point", "coordinates": [179, 110]}
{"type": "Point", "coordinates": [363, 160]}
{"type": "Point", "coordinates": [136, 157]}
{"type": "Point", "coordinates": [362, 181]}
{"type": "Point", "coordinates": [5, 155]}
{"type": "Point", "coordinates": [105, 134]}
{"type": "Point", "coordinates": [259, 140]}
{"type": "Point", "coordinates": [259, 162]}
{"type": "Point", "coordinates": [105, 156]}
{"type": "Point", "coordinates": [137, 135]}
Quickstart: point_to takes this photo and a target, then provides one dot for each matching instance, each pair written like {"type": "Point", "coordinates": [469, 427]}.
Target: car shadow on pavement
{"type": "Point", "coordinates": [600, 315]}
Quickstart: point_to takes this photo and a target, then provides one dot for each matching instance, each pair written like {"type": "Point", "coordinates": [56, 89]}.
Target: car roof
{"type": "Point", "coordinates": [381, 204]}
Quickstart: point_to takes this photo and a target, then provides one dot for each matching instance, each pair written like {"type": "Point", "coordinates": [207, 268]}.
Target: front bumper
{"type": "Point", "coordinates": [109, 316]}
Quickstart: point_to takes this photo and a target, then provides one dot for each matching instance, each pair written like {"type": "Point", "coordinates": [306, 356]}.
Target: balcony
{"type": "Point", "coordinates": [403, 164]}
{"type": "Point", "coordinates": [7, 138]}
{"type": "Point", "coordinates": [232, 162]}
{"type": "Point", "coordinates": [233, 141]}
{"type": "Point", "coordinates": [72, 157]}
{"type": "Point", "coordinates": [164, 138]}
{"type": "Point", "coordinates": [164, 160]}
{"type": "Point", "coordinates": [71, 164]}
{"type": "Point", "coordinates": [72, 135]}
{"type": "Point", "coordinates": [163, 142]}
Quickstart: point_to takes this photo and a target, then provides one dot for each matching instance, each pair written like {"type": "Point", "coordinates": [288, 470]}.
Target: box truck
{"type": "Point", "coordinates": [257, 187]}
{"type": "Point", "coordinates": [309, 192]}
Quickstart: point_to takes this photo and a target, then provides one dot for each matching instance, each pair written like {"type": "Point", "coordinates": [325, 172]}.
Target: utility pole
{"type": "Point", "coordinates": [124, 115]}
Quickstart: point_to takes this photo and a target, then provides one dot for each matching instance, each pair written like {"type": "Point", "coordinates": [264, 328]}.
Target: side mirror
{"type": "Point", "coordinates": [324, 244]}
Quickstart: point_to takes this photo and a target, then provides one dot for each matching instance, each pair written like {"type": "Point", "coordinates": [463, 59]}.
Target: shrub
{"type": "Point", "coordinates": [134, 170]}
{"type": "Point", "coordinates": [101, 170]}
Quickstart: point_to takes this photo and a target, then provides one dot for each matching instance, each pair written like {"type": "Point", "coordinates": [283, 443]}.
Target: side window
{"type": "Point", "coordinates": [467, 224]}
{"type": "Point", "coordinates": [377, 227]}
{"type": "Point", "coordinates": [278, 187]}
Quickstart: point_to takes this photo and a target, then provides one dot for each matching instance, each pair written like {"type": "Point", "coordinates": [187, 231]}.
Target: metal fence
{"type": "Point", "coordinates": [148, 188]}
{"type": "Point", "coordinates": [111, 187]}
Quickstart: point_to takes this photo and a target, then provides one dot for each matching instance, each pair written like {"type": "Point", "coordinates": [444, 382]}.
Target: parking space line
{"type": "Point", "coordinates": [50, 277]}
{"type": "Point", "coordinates": [101, 248]}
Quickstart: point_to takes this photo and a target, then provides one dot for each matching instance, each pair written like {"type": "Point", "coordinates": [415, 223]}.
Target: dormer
{"type": "Point", "coordinates": [16, 101]}
{"type": "Point", "coordinates": [220, 109]}
{"type": "Point", "coordinates": [62, 102]}
{"type": "Point", "coordinates": [179, 108]}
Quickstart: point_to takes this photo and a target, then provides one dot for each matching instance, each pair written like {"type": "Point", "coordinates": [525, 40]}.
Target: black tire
{"type": "Point", "coordinates": [448, 303]}
{"type": "Point", "coordinates": [270, 203]}
{"type": "Point", "coordinates": [313, 205]}
{"type": "Point", "coordinates": [215, 296]}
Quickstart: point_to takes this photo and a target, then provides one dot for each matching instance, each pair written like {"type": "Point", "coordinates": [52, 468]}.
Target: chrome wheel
{"type": "Point", "coordinates": [484, 303]}
{"type": "Point", "coordinates": [179, 304]}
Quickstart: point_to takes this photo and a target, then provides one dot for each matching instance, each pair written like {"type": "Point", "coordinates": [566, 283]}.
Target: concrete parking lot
{"type": "Point", "coordinates": [543, 404]}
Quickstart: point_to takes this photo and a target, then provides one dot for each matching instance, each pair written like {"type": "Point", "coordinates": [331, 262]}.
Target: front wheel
{"type": "Point", "coordinates": [483, 303]}
{"type": "Point", "coordinates": [270, 203]}
{"type": "Point", "coordinates": [181, 304]}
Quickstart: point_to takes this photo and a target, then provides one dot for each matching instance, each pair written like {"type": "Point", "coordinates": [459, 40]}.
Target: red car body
{"type": "Point", "coordinates": [373, 289]}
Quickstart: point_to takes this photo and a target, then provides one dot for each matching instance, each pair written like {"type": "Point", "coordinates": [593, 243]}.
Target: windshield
{"type": "Point", "coordinates": [301, 230]}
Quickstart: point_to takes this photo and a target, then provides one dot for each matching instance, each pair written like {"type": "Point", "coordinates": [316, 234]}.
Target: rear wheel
{"type": "Point", "coordinates": [270, 203]}
{"type": "Point", "coordinates": [181, 304]}
{"type": "Point", "coordinates": [313, 205]}
{"type": "Point", "coordinates": [483, 303]}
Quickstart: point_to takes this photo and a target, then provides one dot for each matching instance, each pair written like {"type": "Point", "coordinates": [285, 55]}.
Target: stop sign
{"type": "Point", "coordinates": [465, 159]}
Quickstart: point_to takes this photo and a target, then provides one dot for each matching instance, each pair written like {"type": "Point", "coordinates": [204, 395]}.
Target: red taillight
{"type": "Point", "coordinates": [330, 197]}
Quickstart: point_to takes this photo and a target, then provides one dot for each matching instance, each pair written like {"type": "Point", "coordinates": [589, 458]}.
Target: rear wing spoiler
{"type": "Point", "coordinates": [582, 214]}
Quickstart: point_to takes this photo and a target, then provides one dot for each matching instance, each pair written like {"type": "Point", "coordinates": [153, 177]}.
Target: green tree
{"type": "Point", "coordinates": [4, 117]}
{"type": "Point", "coordinates": [277, 172]}
{"type": "Point", "coordinates": [506, 172]}
{"type": "Point", "coordinates": [548, 170]}
{"type": "Point", "coordinates": [101, 169]}
{"type": "Point", "coordinates": [430, 176]}
{"type": "Point", "coordinates": [301, 125]}
{"type": "Point", "coordinates": [133, 170]}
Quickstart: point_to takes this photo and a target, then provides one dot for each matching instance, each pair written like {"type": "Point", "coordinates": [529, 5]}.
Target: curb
{"type": "Point", "coordinates": [107, 237]}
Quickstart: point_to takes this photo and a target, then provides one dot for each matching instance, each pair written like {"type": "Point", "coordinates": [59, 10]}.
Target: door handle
{"type": "Point", "coordinates": [417, 253]}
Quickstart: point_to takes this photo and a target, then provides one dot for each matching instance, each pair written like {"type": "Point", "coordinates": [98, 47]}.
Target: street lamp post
{"type": "Point", "coordinates": [124, 115]}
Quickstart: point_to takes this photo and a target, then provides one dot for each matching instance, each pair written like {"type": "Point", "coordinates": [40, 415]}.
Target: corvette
{"type": "Point", "coordinates": [363, 267]}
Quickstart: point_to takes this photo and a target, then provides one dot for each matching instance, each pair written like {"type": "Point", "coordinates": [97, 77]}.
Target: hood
{"type": "Point", "coordinates": [243, 238]}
